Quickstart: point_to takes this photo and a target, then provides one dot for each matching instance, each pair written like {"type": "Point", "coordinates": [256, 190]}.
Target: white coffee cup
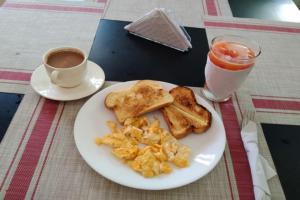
{"type": "Point", "coordinates": [65, 66]}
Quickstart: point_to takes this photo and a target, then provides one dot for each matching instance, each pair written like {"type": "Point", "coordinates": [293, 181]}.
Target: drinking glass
{"type": "Point", "coordinates": [229, 61]}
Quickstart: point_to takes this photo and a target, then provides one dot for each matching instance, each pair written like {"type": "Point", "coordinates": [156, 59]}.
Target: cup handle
{"type": "Point", "coordinates": [54, 77]}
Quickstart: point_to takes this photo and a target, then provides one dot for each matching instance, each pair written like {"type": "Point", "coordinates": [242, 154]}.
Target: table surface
{"type": "Point", "coordinates": [281, 10]}
{"type": "Point", "coordinates": [140, 59]}
{"type": "Point", "coordinates": [38, 156]}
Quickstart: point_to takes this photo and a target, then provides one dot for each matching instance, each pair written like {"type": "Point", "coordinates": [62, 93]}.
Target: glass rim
{"type": "Point", "coordinates": [243, 38]}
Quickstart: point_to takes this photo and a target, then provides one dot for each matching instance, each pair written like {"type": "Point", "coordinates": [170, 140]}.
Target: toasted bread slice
{"type": "Point", "coordinates": [185, 100]}
{"type": "Point", "coordinates": [186, 109]}
{"type": "Point", "coordinates": [177, 123]}
{"type": "Point", "coordinates": [145, 96]}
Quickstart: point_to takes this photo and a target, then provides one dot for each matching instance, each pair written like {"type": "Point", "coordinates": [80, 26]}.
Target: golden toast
{"type": "Point", "coordinates": [185, 115]}
{"type": "Point", "coordinates": [145, 96]}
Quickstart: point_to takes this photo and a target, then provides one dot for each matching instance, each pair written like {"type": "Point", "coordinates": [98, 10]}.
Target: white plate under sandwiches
{"type": "Point", "coordinates": [207, 148]}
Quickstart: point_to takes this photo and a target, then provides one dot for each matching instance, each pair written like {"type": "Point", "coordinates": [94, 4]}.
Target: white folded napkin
{"type": "Point", "coordinates": [160, 26]}
{"type": "Point", "coordinates": [260, 169]}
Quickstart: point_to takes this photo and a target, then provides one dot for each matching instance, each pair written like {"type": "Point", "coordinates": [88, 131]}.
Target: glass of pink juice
{"type": "Point", "coordinates": [229, 61]}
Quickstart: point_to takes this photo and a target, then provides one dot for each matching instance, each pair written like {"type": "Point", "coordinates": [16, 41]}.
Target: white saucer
{"type": "Point", "coordinates": [94, 80]}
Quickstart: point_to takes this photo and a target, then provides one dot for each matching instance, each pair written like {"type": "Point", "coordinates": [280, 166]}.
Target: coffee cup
{"type": "Point", "coordinates": [65, 66]}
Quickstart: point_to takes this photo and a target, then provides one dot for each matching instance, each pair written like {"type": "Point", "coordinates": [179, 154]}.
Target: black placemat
{"type": "Point", "coordinates": [9, 103]}
{"type": "Point", "coordinates": [125, 57]}
{"type": "Point", "coordinates": [284, 144]}
{"type": "Point", "coordinates": [262, 9]}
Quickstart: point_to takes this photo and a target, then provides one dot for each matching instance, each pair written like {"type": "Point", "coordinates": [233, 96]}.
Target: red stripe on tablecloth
{"type": "Point", "coordinates": [33, 149]}
{"type": "Point", "coordinates": [276, 104]}
{"type": "Point", "coordinates": [19, 145]}
{"type": "Point", "coordinates": [52, 7]}
{"type": "Point", "coordinates": [239, 106]}
{"type": "Point", "coordinates": [252, 27]}
{"type": "Point", "coordinates": [211, 7]}
{"type": "Point", "coordinates": [47, 154]}
{"type": "Point", "coordinates": [15, 76]}
{"type": "Point", "coordinates": [226, 165]}
{"type": "Point", "coordinates": [237, 151]}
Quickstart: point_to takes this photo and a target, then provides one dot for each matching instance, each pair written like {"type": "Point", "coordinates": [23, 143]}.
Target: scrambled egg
{"type": "Point", "coordinates": [160, 147]}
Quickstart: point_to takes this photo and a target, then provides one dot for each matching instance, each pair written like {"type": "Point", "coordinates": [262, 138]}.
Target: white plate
{"type": "Point", "coordinates": [207, 148]}
{"type": "Point", "coordinates": [41, 83]}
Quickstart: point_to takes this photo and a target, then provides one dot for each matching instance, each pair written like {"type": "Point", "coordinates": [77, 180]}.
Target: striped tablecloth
{"type": "Point", "coordinates": [38, 157]}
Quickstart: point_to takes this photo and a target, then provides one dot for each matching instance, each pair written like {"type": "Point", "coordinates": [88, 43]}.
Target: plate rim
{"type": "Point", "coordinates": [68, 99]}
{"type": "Point", "coordinates": [195, 178]}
